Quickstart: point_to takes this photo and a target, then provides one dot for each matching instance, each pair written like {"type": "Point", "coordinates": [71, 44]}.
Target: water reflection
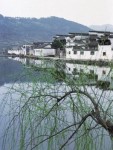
{"type": "Point", "coordinates": [99, 75]}
{"type": "Point", "coordinates": [17, 96]}
{"type": "Point", "coordinates": [95, 75]}
{"type": "Point", "coordinates": [9, 69]}
{"type": "Point", "coordinates": [13, 70]}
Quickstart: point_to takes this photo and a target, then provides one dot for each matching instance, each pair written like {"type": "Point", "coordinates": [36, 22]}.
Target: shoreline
{"type": "Point", "coordinates": [86, 62]}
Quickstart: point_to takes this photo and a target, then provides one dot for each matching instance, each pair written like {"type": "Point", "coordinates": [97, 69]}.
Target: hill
{"type": "Point", "coordinates": [16, 31]}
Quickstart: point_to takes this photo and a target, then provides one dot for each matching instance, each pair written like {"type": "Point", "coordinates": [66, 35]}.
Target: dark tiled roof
{"type": "Point", "coordinates": [37, 43]}
{"type": "Point", "coordinates": [65, 35]}
{"type": "Point", "coordinates": [111, 36]}
{"type": "Point", "coordinates": [105, 32]}
{"type": "Point", "coordinates": [87, 49]}
{"type": "Point", "coordinates": [41, 45]}
{"type": "Point", "coordinates": [83, 34]}
{"type": "Point", "coordinates": [94, 36]}
{"type": "Point", "coordinates": [79, 42]}
{"type": "Point", "coordinates": [93, 44]}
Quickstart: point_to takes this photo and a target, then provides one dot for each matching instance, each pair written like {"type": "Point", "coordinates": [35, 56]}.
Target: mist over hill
{"type": "Point", "coordinates": [18, 31]}
{"type": "Point", "coordinates": [105, 27]}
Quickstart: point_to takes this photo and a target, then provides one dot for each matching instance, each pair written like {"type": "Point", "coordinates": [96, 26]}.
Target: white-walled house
{"type": "Point", "coordinates": [27, 50]}
{"type": "Point", "coordinates": [24, 50]}
{"type": "Point", "coordinates": [102, 53]}
{"type": "Point", "coordinates": [94, 45]}
{"type": "Point", "coordinates": [76, 38]}
{"type": "Point", "coordinates": [44, 50]}
{"type": "Point", "coordinates": [90, 47]}
{"type": "Point", "coordinates": [15, 51]}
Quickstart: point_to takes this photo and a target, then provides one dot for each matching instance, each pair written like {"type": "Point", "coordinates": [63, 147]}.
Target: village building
{"type": "Point", "coordinates": [95, 45]}
{"type": "Point", "coordinates": [27, 50]}
{"type": "Point", "coordinates": [15, 51]}
{"type": "Point", "coordinates": [40, 49]}
{"type": "Point", "coordinates": [22, 50]}
{"type": "Point", "coordinates": [43, 49]}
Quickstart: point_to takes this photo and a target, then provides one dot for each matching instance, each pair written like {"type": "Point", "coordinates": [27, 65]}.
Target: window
{"type": "Point", "coordinates": [91, 71]}
{"type": "Point", "coordinates": [74, 71]}
{"type": "Point", "coordinates": [69, 52]}
{"type": "Point", "coordinates": [69, 69]}
{"type": "Point", "coordinates": [92, 53]}
{"type": "Point", "coordinates": [75, 52]}
{"type": "Point", "coordinates": [81, 70]}
{"type": "Point", "coordinates": [103, 72]}
{"type": "Point", "coordinates": [82, 53]}
{"type": "Point", "coordinates": [104, 53]}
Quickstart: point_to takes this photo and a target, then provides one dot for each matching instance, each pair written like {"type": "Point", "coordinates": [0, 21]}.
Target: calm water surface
{"type": "Point", "coordinates": [17, 79]}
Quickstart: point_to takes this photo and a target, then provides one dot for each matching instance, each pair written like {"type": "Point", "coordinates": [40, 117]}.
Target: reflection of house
{"type": "Point", "coordinates": [94, 74]}
{"type": "Point", "coordinates": [44, 64]}
{"type": "Point", "coordinates": [100, 76]}
{"type": "Point", "coordinates": [95, 45]}
{"type": "Point", "coordinates": [34, 62]}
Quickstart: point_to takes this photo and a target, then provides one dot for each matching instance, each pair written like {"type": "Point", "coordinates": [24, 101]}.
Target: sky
{"type": "Point", "coordinates": [87, 12]}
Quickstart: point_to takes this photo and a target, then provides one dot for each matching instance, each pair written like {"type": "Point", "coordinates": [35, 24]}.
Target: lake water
{"type": "Point", "coordinates": [29, 90]}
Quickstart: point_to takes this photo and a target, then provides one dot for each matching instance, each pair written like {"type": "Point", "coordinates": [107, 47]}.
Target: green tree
{"type": "Point", "coordinates": [59, 45]}
{"type": "Point", "coordinates": [57, 115]}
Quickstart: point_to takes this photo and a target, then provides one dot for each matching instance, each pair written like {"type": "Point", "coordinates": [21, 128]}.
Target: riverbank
{"type": "Point", "coordinates": [87, 62]}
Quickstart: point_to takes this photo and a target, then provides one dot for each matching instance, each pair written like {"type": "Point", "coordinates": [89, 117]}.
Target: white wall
{"type": "Point", "coordinates": [44, 52]}
{"type": "Point", "coordinates": [105, 49]}
{"type": "Point", "coordinates": [16, 52]}
{"type": "Point", "coordinates": [37, 52]}
{"type": "Point", "coordinates": [98, 55]}
{"type": "Point", "coordinates": [85, 56]}
{"type": "Point", "coordinates": [23, 52]}
{"type": "Point", "coordinates": [111, 39]}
